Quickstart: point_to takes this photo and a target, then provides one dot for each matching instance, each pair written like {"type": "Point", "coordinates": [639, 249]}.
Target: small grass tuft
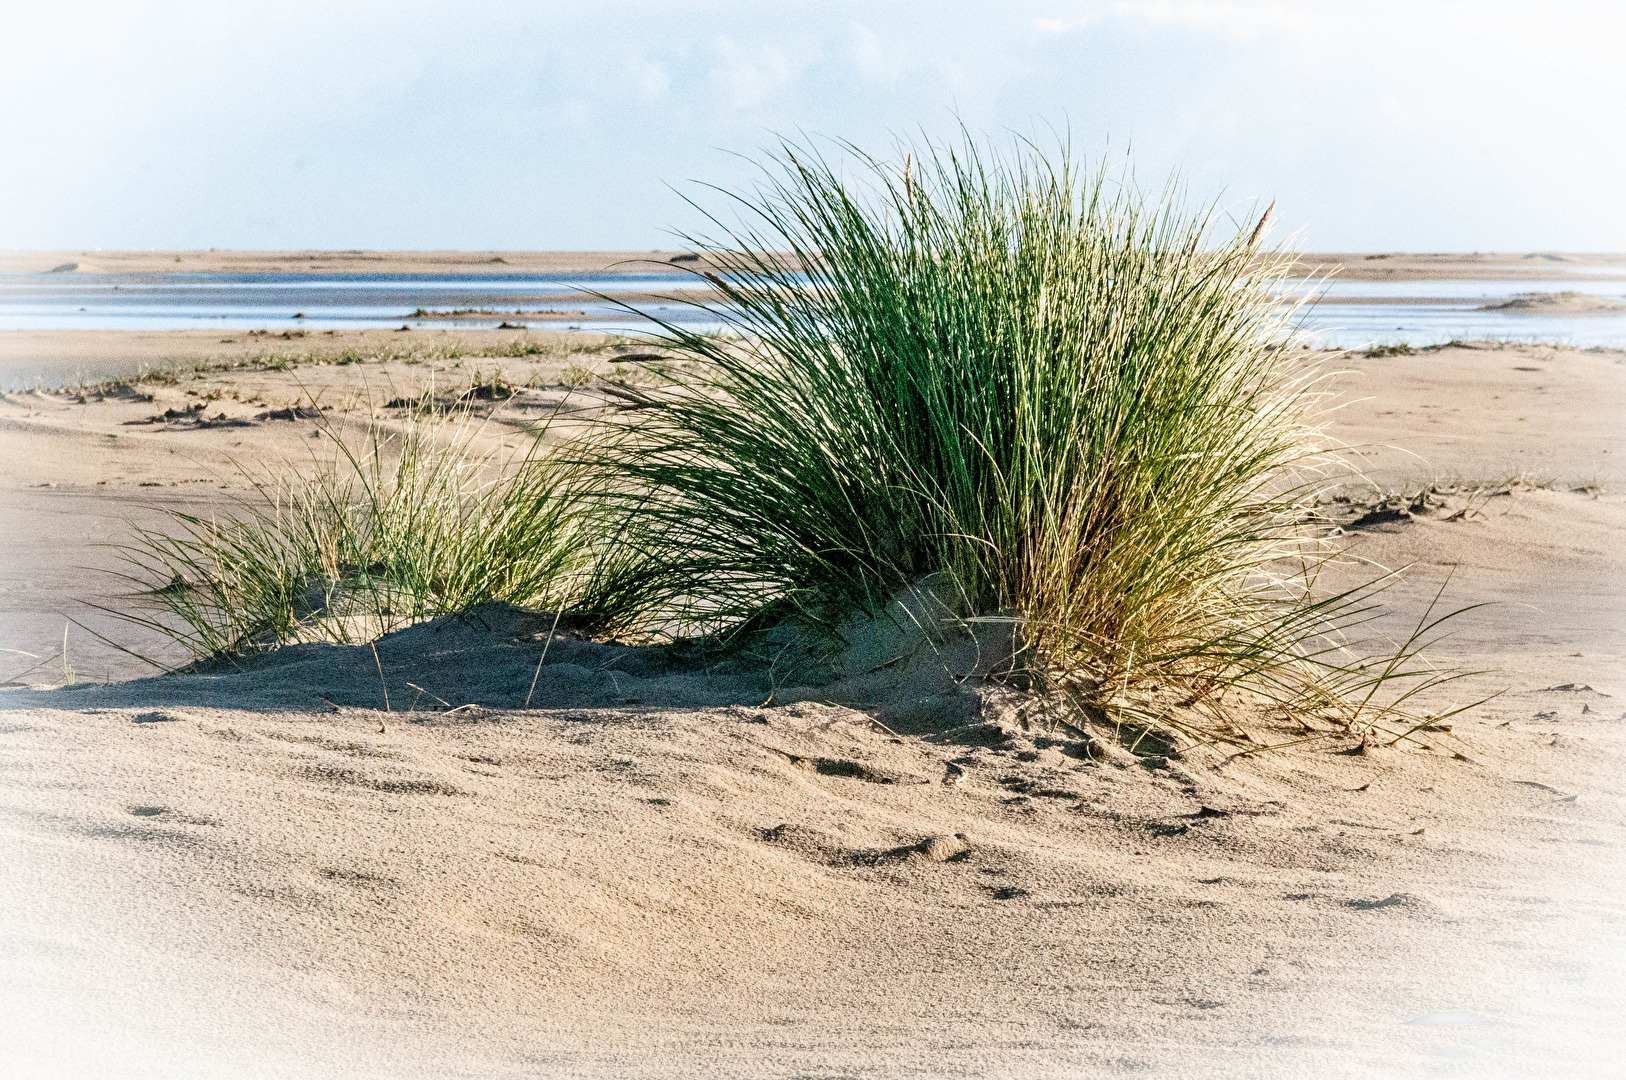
{"type": "Point", "coordinates": [404, 524]}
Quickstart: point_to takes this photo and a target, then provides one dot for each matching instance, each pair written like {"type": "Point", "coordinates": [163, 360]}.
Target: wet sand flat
{"type": "Point", "coordinates": [53, 358]}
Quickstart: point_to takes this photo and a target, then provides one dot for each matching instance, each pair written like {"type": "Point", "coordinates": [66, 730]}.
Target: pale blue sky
{"type": "Point", "coordinates": [1420, 125]}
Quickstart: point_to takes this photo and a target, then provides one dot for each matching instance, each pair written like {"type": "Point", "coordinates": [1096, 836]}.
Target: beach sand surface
{"type": "Point", "coordinates": [330, 862]}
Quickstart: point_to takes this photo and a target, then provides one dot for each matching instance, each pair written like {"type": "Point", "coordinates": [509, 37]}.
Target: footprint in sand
{"type": "Point", "coordinates": [1408, 902]}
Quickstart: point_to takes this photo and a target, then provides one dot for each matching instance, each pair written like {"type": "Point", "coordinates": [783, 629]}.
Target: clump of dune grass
{"type": "Point", "coordinates": [1071, 401]}
{"type": "Point", "coordinates": [375, 532]}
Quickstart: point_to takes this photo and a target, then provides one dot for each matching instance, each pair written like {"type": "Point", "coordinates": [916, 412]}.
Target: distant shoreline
{"type": "Point", "coordinates": [492, 263]}
{"type": "Point", "coordinates": [1346, 266]}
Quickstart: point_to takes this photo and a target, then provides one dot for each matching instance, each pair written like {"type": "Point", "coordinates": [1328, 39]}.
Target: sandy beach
{"type": "Point", "coordinates": [327, 864]}
{"type": "Point", "coordinates": [334, 262]}
{"type": "Point", "coordinates": [51, 358]}
{"type": "Point", "coordinates": [755, 541]}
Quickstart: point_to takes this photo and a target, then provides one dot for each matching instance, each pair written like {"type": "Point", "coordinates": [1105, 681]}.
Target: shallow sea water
{"type": "Point", "coordinates": [330, 302]}
{"type": "Point", "coordinates": [1417, 313]}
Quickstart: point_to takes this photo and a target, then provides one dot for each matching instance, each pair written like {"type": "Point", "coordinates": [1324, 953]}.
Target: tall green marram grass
{"type": "Point", "coordinates": [379, 530]}
{"type": "Point", "coordinates": [1080, 406]}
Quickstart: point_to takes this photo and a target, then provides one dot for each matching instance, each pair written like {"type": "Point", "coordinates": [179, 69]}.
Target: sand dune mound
{"type": "Point", "coordinates": [915, 665]}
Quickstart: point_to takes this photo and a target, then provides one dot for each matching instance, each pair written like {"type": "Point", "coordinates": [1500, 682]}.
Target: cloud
{"type": "Point", "coordinates": [1238, 21]}
{"type": "Point", "coordinates": [748, 77]}
{"type": "Point", "coordinates": [1066, 26]}
{"type": "Point", "coordinates": [649, 77]}
{"type": "Point", "coordinates": [864, 50]}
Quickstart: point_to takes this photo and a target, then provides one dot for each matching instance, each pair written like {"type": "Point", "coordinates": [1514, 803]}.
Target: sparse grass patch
{"type": "Point", "coordinates": [1399, 349]}
{"type": "Point", "coordinates": [416, 354]}
{"type": "Point", "coordinates": [370, 536]}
